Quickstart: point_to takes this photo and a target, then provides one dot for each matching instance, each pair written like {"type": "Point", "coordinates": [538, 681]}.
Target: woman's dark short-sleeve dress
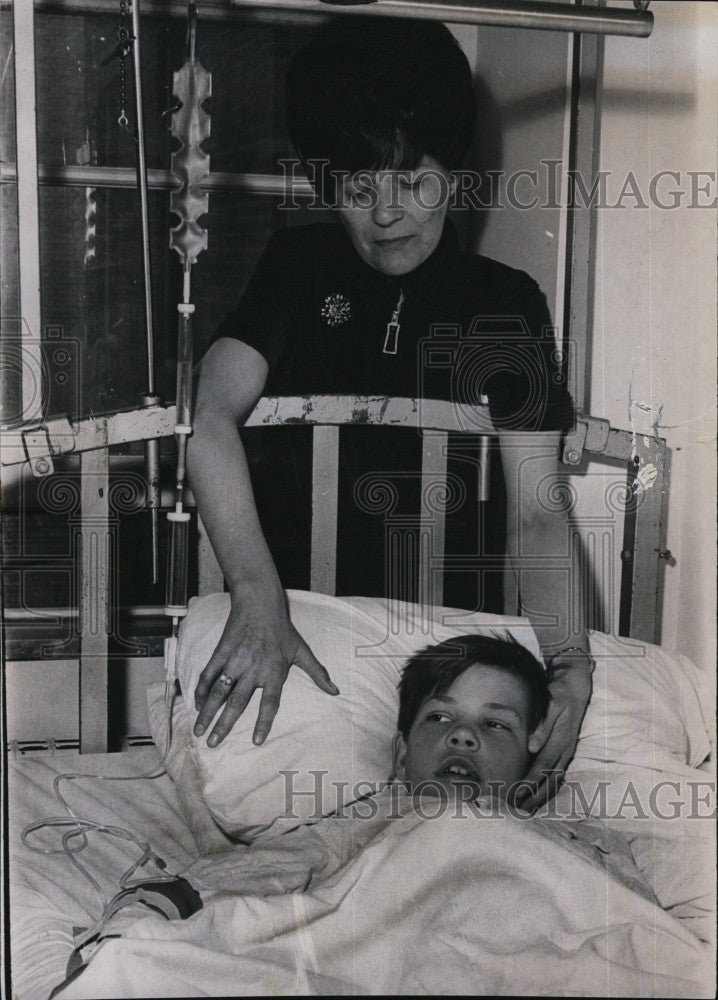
{"type": "Point", "coordinates": [469, 328]}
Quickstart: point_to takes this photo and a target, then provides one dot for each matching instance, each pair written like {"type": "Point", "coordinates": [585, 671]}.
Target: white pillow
{"type": "Point", "coordinates": [643, 697]}
{"type": "Point", "coordinates": [363, 643]}
{"type": "Point", "coordinates": [644, 734]}
{"type": "Point", "coordinates": [180, 764]}
{"type": "Point", "coordinates": [645, 718]}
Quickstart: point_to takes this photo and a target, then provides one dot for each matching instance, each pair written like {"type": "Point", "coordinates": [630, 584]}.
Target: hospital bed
{"type": "Point", "coordinates": [644, 741]}
{"type": "Point", "coordinates": [442, 906]}
{"type": "Point", "coordinates": [439, 905]}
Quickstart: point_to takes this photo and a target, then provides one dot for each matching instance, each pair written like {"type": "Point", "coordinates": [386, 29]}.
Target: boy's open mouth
{"type": "Point", "coordinates": [458, 767]}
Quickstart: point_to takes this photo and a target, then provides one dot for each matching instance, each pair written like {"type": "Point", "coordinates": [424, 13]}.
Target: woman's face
{"type": "Point", "coordinates": [395, 217]}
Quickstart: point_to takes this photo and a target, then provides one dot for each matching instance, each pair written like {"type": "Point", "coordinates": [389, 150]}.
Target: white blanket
{"type": "Point", "coordinates": [499, 905]}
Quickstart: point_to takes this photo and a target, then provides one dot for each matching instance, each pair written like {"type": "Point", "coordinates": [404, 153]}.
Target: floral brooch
{"type": "Point", "coordinates": [336, 309]}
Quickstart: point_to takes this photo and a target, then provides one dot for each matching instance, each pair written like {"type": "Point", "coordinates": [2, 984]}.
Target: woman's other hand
{"type": "Point", "coordinates": [258, 646]}
{"type": "Point", "coordinates": [554, 740]}
{"type": "Point", "coordinates": [539, 533]}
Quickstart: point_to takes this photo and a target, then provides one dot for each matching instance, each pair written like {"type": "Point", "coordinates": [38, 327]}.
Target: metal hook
{"type": "Point", "coordinates": [171, 110]}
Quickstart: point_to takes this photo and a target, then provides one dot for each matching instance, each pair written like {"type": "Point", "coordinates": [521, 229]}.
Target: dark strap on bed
{"type": "Point", "coordinates": [175, 900]}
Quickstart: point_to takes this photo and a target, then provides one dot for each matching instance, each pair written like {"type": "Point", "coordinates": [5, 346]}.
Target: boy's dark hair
{"type": "Point", "coordinates": [368, 94]}
{"type": "Point", "coordinates": [433, 670]}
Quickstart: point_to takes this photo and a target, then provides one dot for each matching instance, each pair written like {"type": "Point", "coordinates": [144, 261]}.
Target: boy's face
{"type": "Point", "coordinates": [474, 733]}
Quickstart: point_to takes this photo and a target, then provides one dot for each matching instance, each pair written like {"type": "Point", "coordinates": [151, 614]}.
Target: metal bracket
{"type": "Point", "coordinates": [645, 462]}
{"type": "Point", "coordinates": [40, 446]}
{"type": "Point", "coordinates": [590, 434]}
{"type": "Point", "coordinates": [58, 436]}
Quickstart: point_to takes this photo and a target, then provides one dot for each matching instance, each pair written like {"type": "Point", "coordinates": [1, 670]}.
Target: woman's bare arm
{"type": "Point", "coordinates": [540, 547]}
{"type": "Point", "coordinates": [259, 643]}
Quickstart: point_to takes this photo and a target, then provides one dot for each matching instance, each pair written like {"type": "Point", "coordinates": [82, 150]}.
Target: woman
{"type": "Point", "coordinates": [381, 114]}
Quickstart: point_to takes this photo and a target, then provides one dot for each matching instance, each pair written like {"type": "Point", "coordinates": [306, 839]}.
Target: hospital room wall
{"type": "Point", "coordinates": [654, 322]}
{"type": "Point", "coordinates": [654, 313]}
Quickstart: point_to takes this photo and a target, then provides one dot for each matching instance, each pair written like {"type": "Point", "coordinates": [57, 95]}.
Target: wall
{"type": "Point", "coordinates": [654, 317]}
{"type": "Point", "coordinates": [655, 304]}
{"type": "Point", "coordinates": [522, 124]}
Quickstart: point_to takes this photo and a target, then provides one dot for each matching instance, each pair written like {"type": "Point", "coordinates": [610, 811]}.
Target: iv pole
{"type": "Point", "coordinates": [192, 85]}
{"type": "Point", "coordinates": [149, 398]}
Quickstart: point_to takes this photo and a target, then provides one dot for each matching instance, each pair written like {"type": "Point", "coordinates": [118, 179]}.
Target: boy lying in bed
{"type": "Point", "coordinates": [467, 709]}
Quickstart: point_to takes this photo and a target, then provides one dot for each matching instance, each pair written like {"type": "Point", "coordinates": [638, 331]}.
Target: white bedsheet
{"type": "Point", "coordinates": [489, 906]}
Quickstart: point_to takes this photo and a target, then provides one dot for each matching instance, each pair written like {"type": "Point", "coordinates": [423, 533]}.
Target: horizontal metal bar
{"type": "Point", "coordinates": [159, 421]}
{"type": "Point", "coordinates": [142, 424]}
{"type": "Point", "coordinates": [429, 414]}
{"type": "Point", "coordinates": [209, 10]}
{"type": "Point", "coordinates": [544, 16]}
{"type": "Point", "coordinates": [50, 744]}
{"type": "Point", "coordinates": [35, 615]}
{"type": "Point", "coordinates": [160, 180]}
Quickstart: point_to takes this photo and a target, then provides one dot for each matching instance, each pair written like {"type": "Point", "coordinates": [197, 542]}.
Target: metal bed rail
{"type": "Point", "coordinates": [644, 498]}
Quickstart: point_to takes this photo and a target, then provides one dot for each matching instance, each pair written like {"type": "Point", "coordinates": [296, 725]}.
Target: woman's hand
{"type": "Point", "coordinates": [554, 740]}
{"type": "Point", "coordinates": [258, 646]}
{"type": "Point", "coordinates": [259, 643]}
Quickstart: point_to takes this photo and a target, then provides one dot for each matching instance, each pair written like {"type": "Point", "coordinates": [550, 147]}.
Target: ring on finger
{"type": "Point", "coordinates": [226, 680]}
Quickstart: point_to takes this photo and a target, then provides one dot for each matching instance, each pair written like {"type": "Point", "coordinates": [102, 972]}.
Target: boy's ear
{"type": "Point", "coordinates": [399, 755]}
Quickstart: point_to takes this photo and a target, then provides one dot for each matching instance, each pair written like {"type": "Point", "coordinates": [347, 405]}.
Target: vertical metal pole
{"type": "Point", "coordinates": [28, 209]}
{"type": "Point", "coordinates": [584, 148]}
{"type": "Point", "coordinates": [642, 540]}
{"type": "Point", "coordinates": [152, 461]}
{"type": "Point", "coordinates": [142, 185]}
{"type": "Point", "coordinates": [94, 598]}
{"type": "Point", "coordinates": [432, 523]}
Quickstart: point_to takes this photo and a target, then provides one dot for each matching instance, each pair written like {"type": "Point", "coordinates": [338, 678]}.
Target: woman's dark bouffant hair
{"type": "Point", "coordinates": [433, 670]}
{"type": "Point", "coordinates": [375, 94]}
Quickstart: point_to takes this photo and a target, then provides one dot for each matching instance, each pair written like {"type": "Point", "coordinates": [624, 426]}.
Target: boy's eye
{"type": "Point", "coordinates": [495, 724]}
{"type": "Point", "coordinates": [438, 717]}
